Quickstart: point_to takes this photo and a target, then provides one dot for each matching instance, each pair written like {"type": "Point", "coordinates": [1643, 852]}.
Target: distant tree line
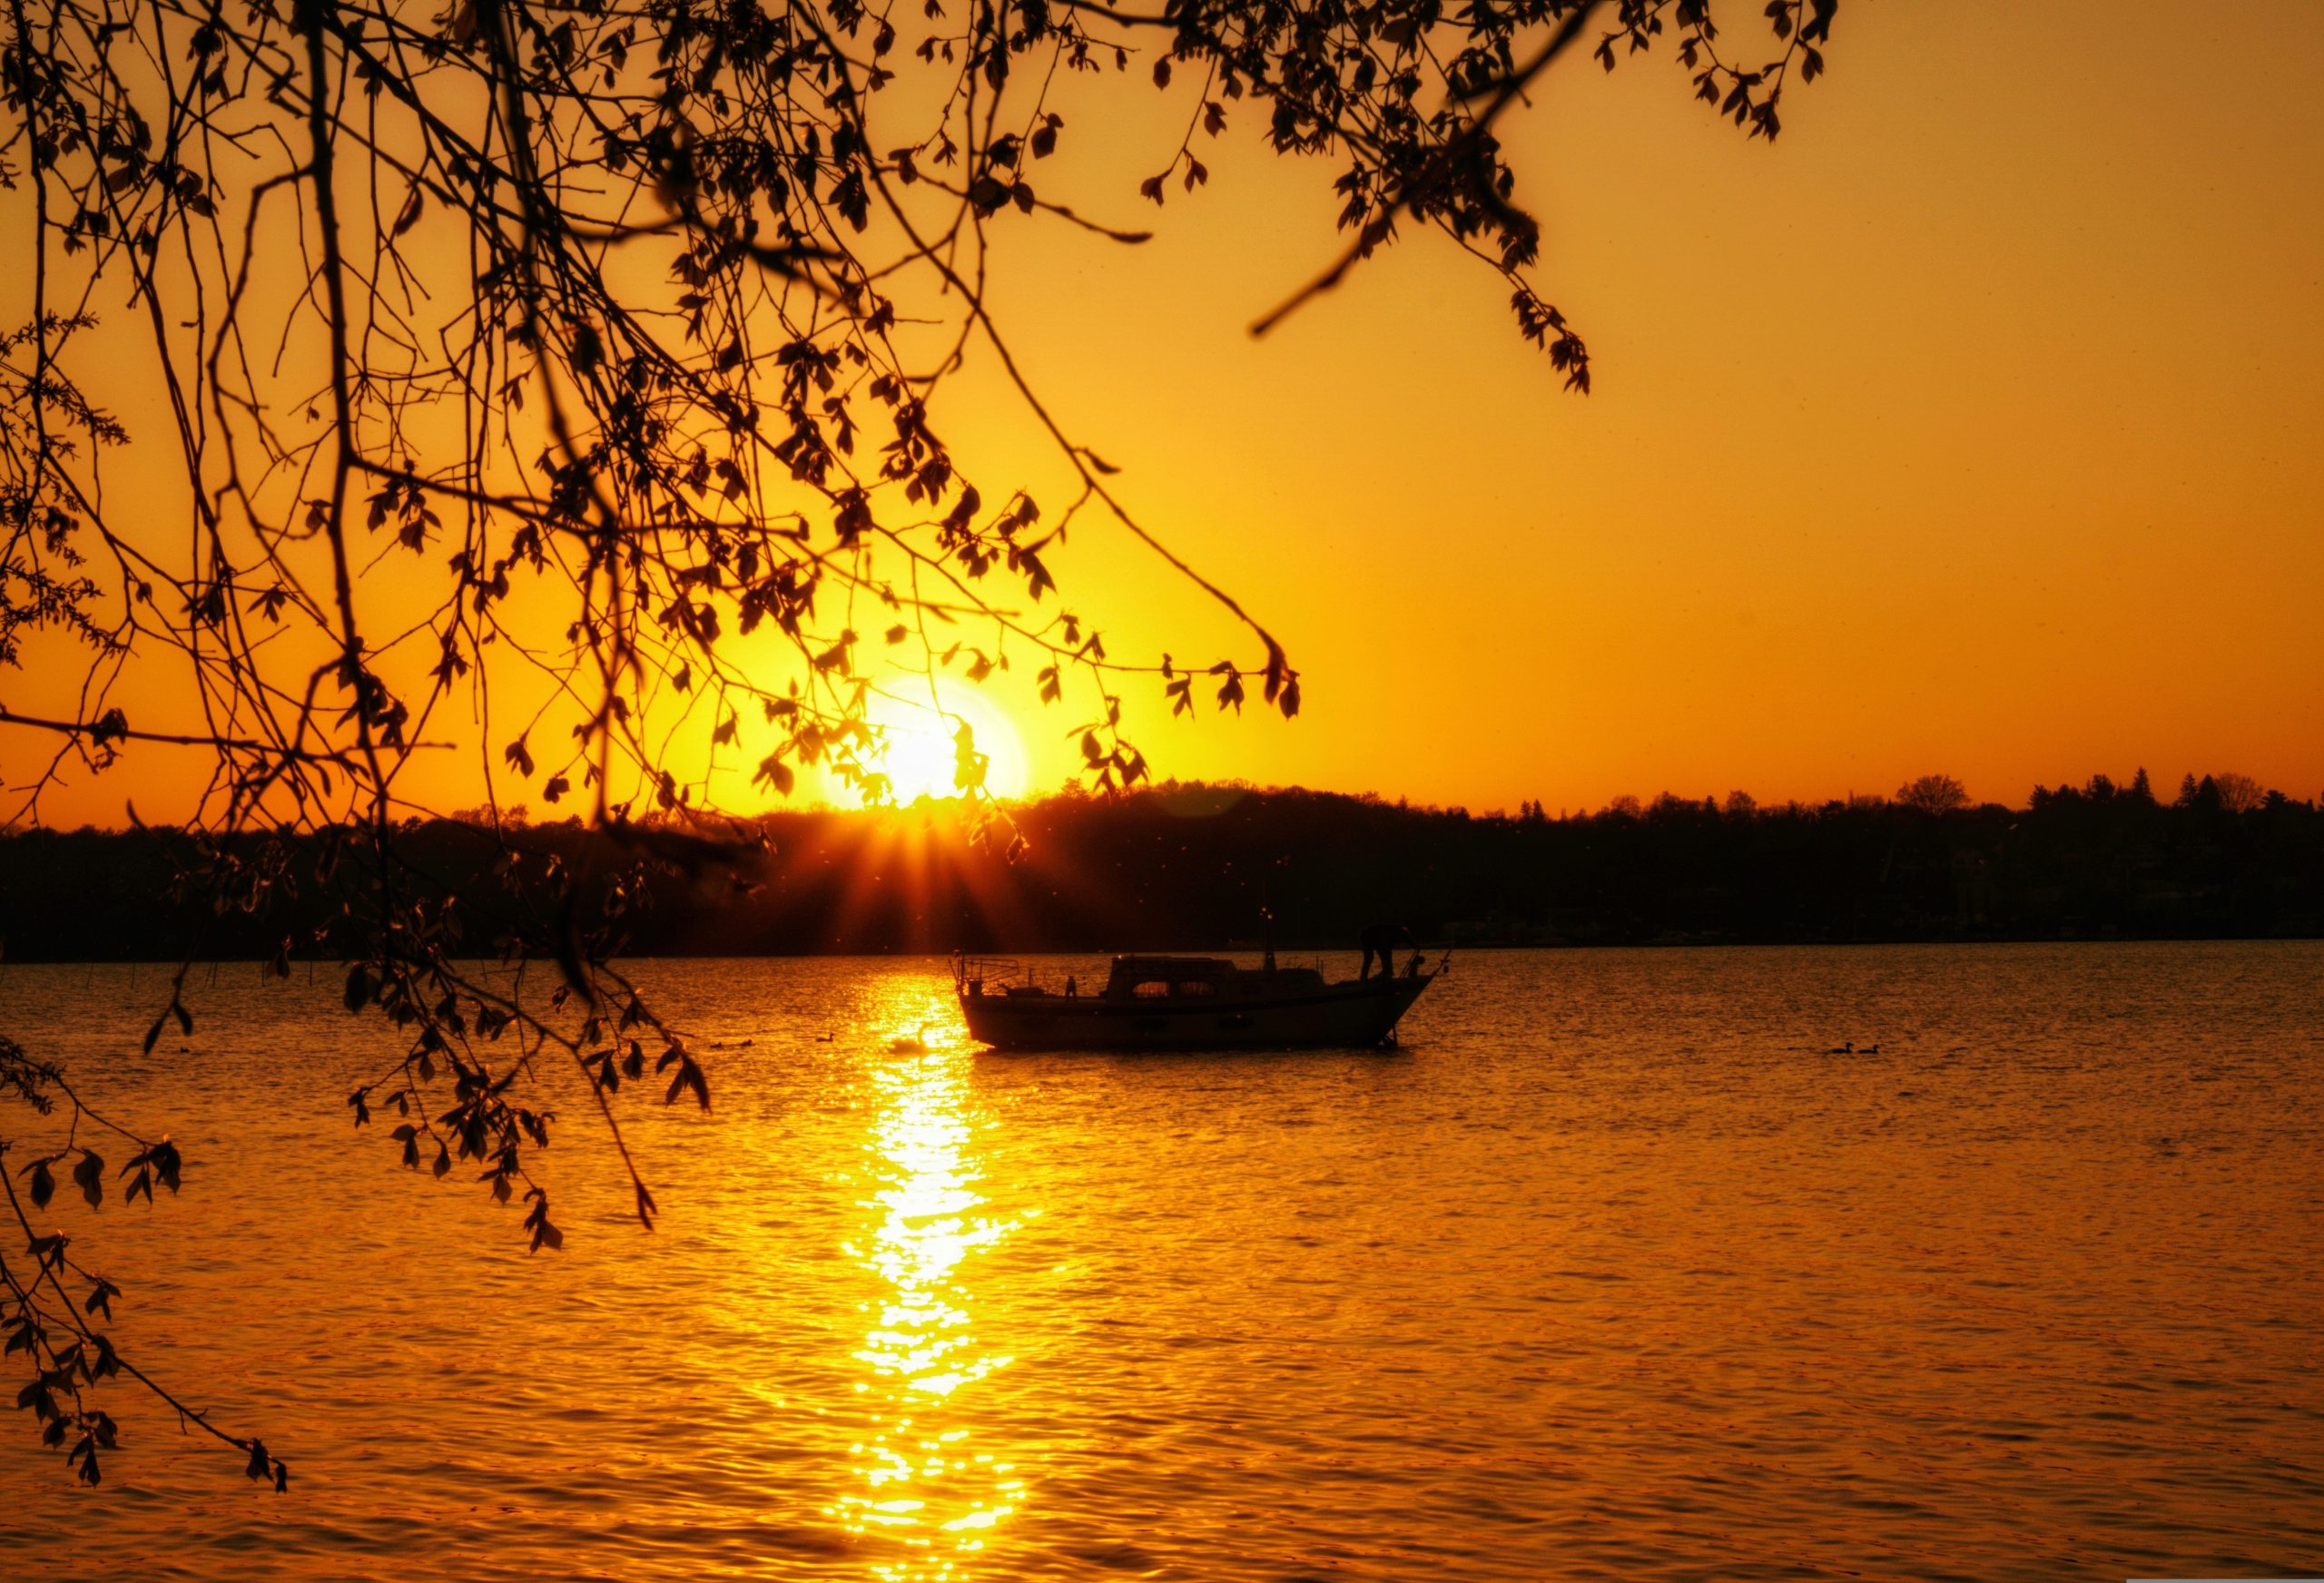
{"type": "Point", "coordinates": [1211, 866]}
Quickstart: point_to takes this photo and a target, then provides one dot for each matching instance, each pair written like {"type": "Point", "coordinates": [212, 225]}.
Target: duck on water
{"type": "Point", "coordinates": [1191, 1003]}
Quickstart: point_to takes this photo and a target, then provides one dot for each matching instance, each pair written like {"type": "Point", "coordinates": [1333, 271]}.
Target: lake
{"type": "Point", "coordinates": [1608, 1270]}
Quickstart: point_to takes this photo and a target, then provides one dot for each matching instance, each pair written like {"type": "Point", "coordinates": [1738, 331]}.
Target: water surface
{"type": "Point", "coordinates": [1608, 1272]}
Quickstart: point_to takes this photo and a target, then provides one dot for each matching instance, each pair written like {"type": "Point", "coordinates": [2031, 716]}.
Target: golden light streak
{"type": "Point", "coordinates": [922, 1486]}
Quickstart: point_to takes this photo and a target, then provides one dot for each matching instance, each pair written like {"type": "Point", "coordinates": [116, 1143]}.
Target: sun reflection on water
{"type": "Point", "coordinates": [924, 1484]}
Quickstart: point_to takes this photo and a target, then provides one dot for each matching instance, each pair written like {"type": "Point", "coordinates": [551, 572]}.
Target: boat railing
{"type": "Point", "coordinates": [974, 974]}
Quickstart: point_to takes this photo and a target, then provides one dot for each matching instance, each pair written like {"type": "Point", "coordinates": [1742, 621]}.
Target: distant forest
{"type": "Point", "coordinates": [1215, 866]}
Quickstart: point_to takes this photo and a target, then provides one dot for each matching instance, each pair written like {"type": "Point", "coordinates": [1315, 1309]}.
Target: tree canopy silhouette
{"type": "Point", "coordinates": [1933, 794]}
{"type": "Point", "coordinates": [595, 356]}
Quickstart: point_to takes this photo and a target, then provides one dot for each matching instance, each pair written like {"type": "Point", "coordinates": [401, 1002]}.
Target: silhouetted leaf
{"type": "Point", "coordinates": [688, 1076]}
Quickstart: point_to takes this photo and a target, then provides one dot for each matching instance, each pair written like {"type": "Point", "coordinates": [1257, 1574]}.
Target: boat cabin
{"type": "Point", "coordinates": [1178, 979]}
{"type": "Point", "coordinates": [1197, 978]}
{"type": "Point", "coordinates": [1167, 978]}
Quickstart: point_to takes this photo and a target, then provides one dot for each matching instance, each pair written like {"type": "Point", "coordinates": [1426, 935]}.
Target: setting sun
{"type": "Point", "coordinates": [920, 746]}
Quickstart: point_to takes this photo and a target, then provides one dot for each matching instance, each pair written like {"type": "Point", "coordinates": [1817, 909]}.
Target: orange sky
{"type": "Point", "coordinates": [1970, 428]}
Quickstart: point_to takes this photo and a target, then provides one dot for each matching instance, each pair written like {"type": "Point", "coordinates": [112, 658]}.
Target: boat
{"type": "Point", "coordinates": [1185, 1003]}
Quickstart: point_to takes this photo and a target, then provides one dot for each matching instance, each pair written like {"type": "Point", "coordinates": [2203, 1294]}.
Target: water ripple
{"type": "Point", "coordinates": [1610, 1271]}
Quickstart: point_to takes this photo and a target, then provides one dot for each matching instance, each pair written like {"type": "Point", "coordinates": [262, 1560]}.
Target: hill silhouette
{"type": "Point", "coordinates": [1212, 866]}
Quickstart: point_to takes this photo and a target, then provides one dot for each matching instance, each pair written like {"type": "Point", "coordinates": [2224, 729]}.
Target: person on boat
{"type": "Point", "coordinates": [1412, 969]}
{"type": "Point", "coordinates": [1380, 941]}
{"type": "Point", "coordinates": [1072, 987]}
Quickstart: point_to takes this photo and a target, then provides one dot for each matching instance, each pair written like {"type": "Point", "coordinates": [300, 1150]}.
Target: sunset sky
{"type": "Point", "coordinates": [1970, 428]}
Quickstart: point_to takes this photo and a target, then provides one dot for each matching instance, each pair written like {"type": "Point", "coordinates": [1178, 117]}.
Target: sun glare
{"type": "Point", "coordinates": [921, 741]}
